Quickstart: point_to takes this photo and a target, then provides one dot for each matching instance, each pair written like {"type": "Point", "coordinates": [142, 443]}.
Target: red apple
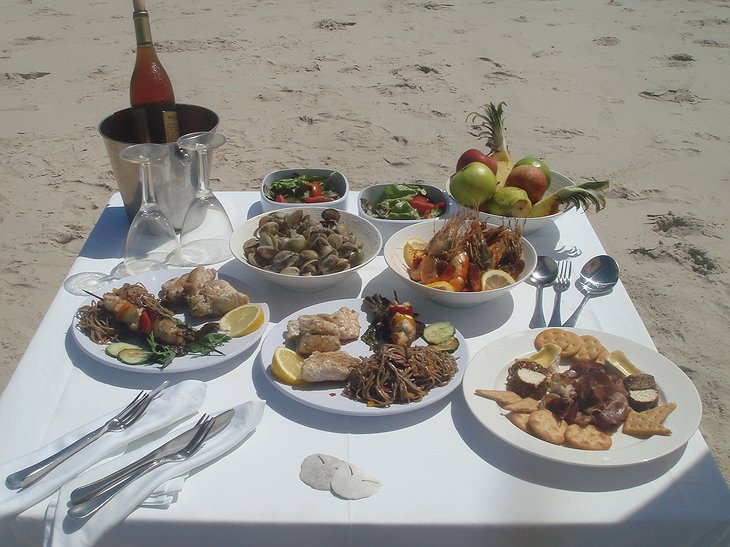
{"type": "Point", "coordinates": [472, 155]}
{"type": "Point", "coordinates": [531, 179]}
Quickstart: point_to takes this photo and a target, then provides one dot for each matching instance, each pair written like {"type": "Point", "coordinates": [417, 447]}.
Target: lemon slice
{"type": "Point", "coordinates": [242, 320]}
{"type": "Point", "coordinates": [287, 366]}
{"type": "Point", "coordinates": [442, 285]}
{"type": "Point", "coordinates": [496, 279]}
{"type": "Point", "coordinates": [413, 247]}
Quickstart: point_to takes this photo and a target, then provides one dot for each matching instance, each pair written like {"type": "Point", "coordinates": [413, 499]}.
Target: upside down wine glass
{"type": "Point", "coordinates": [151, 240]}
{"type": "Point", "coordinates": [206, 230]}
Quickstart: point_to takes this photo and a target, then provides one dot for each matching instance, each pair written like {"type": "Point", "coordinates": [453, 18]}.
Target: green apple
{"type": "Point", "coordinates": [473, 185]}
{"type": "Point", "coordinates": [541, 165]}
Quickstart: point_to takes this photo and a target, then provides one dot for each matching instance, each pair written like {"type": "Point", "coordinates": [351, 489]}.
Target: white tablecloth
{"type": "Point", "coordinates": [446, 479]}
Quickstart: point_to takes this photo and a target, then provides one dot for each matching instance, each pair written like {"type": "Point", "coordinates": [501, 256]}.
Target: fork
{"type": "Point", "coordinates": [562, 284]}
{"type": "Point", "coordinates": [127, 417]}
{"type": "Point", "coordinates": [91, 506]}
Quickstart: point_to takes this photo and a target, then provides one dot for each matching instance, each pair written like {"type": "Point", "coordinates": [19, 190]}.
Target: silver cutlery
{"type": "Point", "coordinates": [562, 284]}
{"type": "Point", "coordinates": [597, 277]}
{"type": "Point", "coordinates": [544, 273]}
{"type": "Point", "coordinates": [126, 418]}
{"type": "Point", "coordinates": [88, 499]}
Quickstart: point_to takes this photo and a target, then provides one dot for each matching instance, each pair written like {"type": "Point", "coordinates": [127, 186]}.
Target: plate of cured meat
{"type": "Point", "coordinates": [340, 397]}
{"type": "Point", "coordinates": [176, 308]}
{"type": "Point", "coordinates": [624, 404]}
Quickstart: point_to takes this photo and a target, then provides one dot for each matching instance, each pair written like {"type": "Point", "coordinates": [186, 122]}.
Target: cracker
{"type": "Point", "coordinates": [524, 406]}
{"type": "Point", "coordinates": [501, 397]}
{"type": "Point", "coordinates": [587, 438]}
{"type": "Point", "coordinates": [591, 351]}
{"type": "Point", "coordinates": [520, 419]}
{"type": "Point", "coordinates": [569, 342]}
{"type": "Point", "coordinates": [648, 422]}
{"type": "Point", "coordinates": [547, 426]}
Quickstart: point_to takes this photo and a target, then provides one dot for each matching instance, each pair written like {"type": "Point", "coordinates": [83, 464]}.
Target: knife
{"type": "Point", "coordinates": [124, 476]}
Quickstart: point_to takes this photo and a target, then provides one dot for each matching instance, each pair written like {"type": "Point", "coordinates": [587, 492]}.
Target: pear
{"type": "Point", "coordinates": [509, 201]}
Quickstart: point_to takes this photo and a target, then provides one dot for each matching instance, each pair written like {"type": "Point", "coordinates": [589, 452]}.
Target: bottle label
{"type": "Point", "coordinates": [172, 127]}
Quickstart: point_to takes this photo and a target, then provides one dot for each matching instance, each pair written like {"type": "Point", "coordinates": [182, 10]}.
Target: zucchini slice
{"type": "Point", "coordinates": [439, 332]}
{"type": "Point", "coordinates": [450, 346]}
{"type": "Point", "coordinates": [134, 356]}
{"type": "Point", "coordinates": [112, 350]}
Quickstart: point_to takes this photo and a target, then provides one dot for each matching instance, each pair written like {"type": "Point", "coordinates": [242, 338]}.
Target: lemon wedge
{"type": "Point", "coordinates": [496, 279]}
{"type": "Point", "coordinates": [242, 320]}
{"type": "Point", "coordinates": [442, 285]}
{"type": "Point", "coordinates": [286, 366]}
{"type": "Point", "coordinates": [413, 247]}
{"type": "Point", "coordinates": [548, 355]}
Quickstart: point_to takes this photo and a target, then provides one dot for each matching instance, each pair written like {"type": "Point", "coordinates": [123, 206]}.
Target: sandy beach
{"type": "Point", "coordinates": [633, 92]}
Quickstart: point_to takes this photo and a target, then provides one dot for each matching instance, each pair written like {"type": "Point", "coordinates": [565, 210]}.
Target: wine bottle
{"type": "Point", "coordinates": [150, 90]}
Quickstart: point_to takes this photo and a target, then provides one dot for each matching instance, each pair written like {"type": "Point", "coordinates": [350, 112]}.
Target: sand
{"type": "Point", "coordinates": [632, 92]}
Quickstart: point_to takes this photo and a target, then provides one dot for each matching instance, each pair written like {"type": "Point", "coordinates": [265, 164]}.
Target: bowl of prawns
{"type": "Point", "coordinates": [462, 261]}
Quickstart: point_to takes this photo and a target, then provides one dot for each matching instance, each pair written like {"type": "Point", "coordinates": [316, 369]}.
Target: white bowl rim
{"type": "Point", "coordinates": [460, 295]}
{"type": "Point", "coordinates": [276, 275]}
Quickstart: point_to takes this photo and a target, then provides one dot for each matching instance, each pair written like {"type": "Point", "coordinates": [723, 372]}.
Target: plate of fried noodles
{"type": "Point", "coordinates": [360, 394]}
{"type": "Point", "coordinates": [94, 328]}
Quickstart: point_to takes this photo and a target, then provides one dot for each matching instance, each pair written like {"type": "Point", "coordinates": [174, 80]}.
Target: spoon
{"type": "Point", "coordinates": [544, 274]}
{"type": "Point", "coordinates": [597, 277]}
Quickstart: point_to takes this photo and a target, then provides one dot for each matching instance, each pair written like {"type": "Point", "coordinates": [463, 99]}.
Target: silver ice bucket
{"type": "Point", "coordinates": [174, 177]}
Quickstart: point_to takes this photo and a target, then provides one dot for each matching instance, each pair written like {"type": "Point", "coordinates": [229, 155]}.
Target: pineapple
{"type": "Point", "coordinates": [490, 126]}
{"type": "Point", "coordinates": [581, 196]}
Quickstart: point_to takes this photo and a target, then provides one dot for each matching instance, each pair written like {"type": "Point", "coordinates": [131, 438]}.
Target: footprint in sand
{"type": "Point", "coordinates": [672, 95]}
{"type": "Point", "coordinates": [686, 255]}
{"type": "Point", "coordinates": [606, 41]}
{"type": "Point", "coordinates": [711, 43]}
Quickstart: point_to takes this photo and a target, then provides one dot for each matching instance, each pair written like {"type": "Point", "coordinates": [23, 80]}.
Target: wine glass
{"type": "Point", "coordinates": [82, 283]}
{"type": "Point", "coordinates": [206, 230]}
{"type": "Point", "coordinates": [151, 240]}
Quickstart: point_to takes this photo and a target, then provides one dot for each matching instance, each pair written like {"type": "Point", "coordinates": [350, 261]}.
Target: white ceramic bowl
{"type": "Point", "coordinates": [388, 227]}
{"type": "Point", "coordinates": [339, 181]}
{"type": "Point", "coordinates": [393, 254]}
{"type": "Point", "coordinates": [364, 232]}
{"type": "Point", "coordinates": [558, 182]}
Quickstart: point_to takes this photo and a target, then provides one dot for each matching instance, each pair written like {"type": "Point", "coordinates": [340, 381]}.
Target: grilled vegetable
{"type": "Point", "coordinates": [438, 333]}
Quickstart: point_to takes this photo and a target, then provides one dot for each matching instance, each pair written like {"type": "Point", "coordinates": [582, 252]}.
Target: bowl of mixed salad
{"type": "Point", "coordinates": [308, 187]}
{"type": "Point", "coordinates": [391, 207]}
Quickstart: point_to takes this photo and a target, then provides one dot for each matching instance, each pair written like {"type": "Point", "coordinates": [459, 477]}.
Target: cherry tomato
{"type": "Point", "coordinates": [315, 189]}
{"type": "Point", "coordinates": [316, 199]}
{"type": "Point", "coordinates": [280, 198]}
{"type": "Point", "coordinates": [145, 322]}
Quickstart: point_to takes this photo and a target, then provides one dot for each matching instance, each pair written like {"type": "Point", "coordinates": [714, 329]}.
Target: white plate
{"type": "Point", "coordinates": [322, 398]}
{"type": "Point", "coordinates": [488, 370]}
{"type": "Point", "coordinates": [153, 282]}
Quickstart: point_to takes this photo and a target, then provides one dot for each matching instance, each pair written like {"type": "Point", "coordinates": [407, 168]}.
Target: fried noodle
{"type": "Point", "coordinates": [394, 374]}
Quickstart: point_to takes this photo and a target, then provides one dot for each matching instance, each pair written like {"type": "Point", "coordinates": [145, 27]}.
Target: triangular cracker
{"type": "Point", "coordinates": [648, 422]}
{"type": "Point", "coordinates": [501, 397]}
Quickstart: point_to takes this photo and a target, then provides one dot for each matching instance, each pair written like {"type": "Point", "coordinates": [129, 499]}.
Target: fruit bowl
{"type": "Point", "coordinates": [363, 231]}
{"type": "Point", "coordinates": [388, 227]}
{"type": "Point", "coordinates": [532, 224]}
{"type": "Point", "coordinates": [339, 184]}
{"type": "Point", "coordinates": [393, 254]}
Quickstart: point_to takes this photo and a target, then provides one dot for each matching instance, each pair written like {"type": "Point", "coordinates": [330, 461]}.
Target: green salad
{"type": "Point", "coordinates": [403, 202]}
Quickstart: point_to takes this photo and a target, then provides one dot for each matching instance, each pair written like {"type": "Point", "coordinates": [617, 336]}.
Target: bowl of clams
{"type": "Point", "coordinates": [307, 248]}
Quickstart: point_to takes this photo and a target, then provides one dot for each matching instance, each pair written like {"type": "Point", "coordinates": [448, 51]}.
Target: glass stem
{"type": "Point", "coordinates": [203, 182]}
{"type": "Point", "coordinates": [145, 180]}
